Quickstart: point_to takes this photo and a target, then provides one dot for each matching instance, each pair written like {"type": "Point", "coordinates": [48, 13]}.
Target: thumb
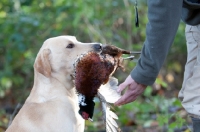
{"type": "Point", "coordinates": [121, 87]}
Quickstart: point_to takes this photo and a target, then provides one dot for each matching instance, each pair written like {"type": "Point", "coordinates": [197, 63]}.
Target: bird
{"type": "Point", "coordinates": [94, 78]}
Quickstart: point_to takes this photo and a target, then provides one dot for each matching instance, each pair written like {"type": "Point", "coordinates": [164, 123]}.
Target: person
{"type": "Point", "coordinates": [164, 17]}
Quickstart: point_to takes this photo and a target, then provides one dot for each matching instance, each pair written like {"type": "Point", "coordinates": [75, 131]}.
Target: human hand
{"type": "Point", "coordinates": [133, 91]}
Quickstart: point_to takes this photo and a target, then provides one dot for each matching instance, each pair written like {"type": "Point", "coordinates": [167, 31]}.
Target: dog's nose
{"type": "Point", "coordinates": [97, 47]}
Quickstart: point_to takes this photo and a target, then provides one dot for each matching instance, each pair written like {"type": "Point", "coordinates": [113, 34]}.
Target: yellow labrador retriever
{"type": "Point", "coordinates": [52, 105]}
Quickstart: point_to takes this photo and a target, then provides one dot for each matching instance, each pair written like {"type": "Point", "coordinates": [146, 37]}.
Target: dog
{"type": "Point", "coordinates": [52, 105]}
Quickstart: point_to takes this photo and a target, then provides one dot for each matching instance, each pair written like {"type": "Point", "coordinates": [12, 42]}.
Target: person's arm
{"type": "Point", "coordinates": [164, 18]}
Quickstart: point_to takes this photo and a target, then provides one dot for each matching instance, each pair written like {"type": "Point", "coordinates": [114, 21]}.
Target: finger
{"type": "Point", "coordinates": [126, 83]}
{"type": "Point", "coordinates": [121, 87]}
{"type": "Point", "coordinates": [128, 97]}
{"type": "Point", "coordinates": [124, 100]}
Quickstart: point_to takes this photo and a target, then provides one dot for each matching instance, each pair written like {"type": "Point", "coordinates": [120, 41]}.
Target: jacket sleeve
{"type": "Point", "coordinates": [164, 18]}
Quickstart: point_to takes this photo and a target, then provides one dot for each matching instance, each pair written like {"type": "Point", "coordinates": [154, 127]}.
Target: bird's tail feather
{"type": "Point", "coordinates": [108, 94]}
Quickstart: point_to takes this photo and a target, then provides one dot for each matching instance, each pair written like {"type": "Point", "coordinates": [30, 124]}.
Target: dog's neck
{"type": "Point", "coordinates": [48, 88]}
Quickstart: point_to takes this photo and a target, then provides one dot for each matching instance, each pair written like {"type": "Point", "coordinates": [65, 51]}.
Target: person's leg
{"type": "Point", "coordinates": [191, 58]}
{"type": "Point", "coordinates": [190, 92]}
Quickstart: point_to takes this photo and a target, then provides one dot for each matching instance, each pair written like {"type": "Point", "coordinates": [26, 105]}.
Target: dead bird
{"type": "Point", "coordinates": [93, 77]}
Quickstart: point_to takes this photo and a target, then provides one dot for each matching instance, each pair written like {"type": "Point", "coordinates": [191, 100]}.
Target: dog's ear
{"type": "Point", "coordinates": [42, 64]}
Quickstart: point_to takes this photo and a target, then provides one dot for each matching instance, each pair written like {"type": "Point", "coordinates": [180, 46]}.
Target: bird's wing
{"type": "Point", "coordinates": [107, 94]}
{"type": "Point", "coordinates": [109, 90]}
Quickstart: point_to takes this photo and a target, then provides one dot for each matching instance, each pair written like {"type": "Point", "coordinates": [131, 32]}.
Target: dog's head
{"type": "Point", "coordinates": [57, 55]}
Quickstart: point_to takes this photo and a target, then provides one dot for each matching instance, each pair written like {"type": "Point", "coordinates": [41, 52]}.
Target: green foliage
{"type": "Point", "coordinates": [146, 111]}
{"type": "Point", "coordinates": [26, 24]}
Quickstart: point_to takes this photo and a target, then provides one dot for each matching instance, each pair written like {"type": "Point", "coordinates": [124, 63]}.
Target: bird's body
{"type": "Point", "coordinates": [93, 73]}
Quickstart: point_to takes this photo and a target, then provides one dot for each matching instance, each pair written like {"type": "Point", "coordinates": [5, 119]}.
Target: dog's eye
{"type": "Point", "coordinates": [70, 46]}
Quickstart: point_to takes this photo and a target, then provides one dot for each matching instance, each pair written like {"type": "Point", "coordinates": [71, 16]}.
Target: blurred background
{"type": "Point", "coordinates": [26, 24]}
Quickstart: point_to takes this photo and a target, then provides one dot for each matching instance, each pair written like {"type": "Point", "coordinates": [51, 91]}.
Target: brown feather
{"type": "Point", "coordinates": [92, 71]}
{"type": "Point", "coordinates": [114, 51]}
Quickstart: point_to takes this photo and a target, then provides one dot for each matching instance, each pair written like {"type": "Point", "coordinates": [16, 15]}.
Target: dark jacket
{"type": "Point", "coordinates": [191, 12]}
{"type": "Point", "coordinates": [164, 17]}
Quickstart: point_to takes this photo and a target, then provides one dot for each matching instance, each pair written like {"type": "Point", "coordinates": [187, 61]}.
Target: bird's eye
{"type": "Point", "coordinates": [70, 45]}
